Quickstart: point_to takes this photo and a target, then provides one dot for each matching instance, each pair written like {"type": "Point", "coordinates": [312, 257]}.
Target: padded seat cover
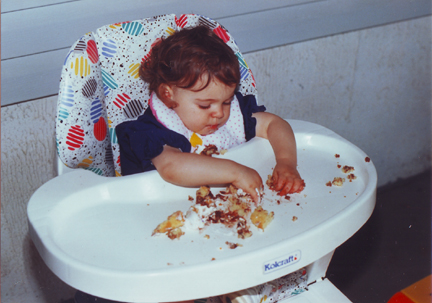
{"type": "Point", "coordinates": [100, 87]}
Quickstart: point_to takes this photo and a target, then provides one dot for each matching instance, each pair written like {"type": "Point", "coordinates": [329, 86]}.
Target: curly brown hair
{"type": "Point", "coordinates": [188, 56]}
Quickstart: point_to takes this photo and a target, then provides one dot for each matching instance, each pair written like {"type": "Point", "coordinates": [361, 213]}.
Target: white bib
{"type": "Point", "coordinates": [231, 134]}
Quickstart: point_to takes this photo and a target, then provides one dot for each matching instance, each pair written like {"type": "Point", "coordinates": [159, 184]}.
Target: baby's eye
{"type": "Point", "coordinates": [228, 102]}
{"type": "Point", "coordinates": [204, 106]}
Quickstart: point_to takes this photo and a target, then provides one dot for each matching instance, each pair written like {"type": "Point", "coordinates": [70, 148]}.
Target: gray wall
{"type": "Point", "coordinates": [371, 86]}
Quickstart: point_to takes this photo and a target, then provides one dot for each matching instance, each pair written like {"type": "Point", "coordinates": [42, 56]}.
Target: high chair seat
{"type": "Point", "coordinates": [95, 233]}
{"type": "Point", "coordinates": [100, 87]}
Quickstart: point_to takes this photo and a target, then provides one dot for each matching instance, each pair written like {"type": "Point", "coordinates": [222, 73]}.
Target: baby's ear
{"type": "Point", "coordinates": [166, 94]}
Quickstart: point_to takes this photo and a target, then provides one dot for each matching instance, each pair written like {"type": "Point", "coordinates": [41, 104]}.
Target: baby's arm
{"type": "Point", "coordinates": [286, 178]}
{"type": "Point", "coordinates": [187, 169]}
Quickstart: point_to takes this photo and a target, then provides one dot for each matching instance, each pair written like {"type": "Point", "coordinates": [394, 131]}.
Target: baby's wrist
{"type": "Point", "coordinates": [287, 162]}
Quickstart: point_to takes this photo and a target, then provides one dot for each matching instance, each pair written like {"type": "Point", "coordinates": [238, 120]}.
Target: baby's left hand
{"type": "Point", "coordinates": [286, 179]}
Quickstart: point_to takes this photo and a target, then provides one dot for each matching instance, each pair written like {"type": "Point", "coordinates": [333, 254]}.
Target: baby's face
{"type": "Point", "coordinates": [203, 112]}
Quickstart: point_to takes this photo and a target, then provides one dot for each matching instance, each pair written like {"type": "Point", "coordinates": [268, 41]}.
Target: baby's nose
{"type": "Point", "coordinates": [218, 112]}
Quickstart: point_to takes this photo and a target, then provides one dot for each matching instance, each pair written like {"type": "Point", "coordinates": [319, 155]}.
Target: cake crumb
{"type": "Point", "coordinates": [351, 177]}
{"type": "Point", "coordinates": [338, 181]}
{"type": "Point", "coordinates": [337, 156]}
{"type": "Point", "coordinates": [261, 218]}
{"type": "Point", "coordinates": [171, 226]}
{"type": "Point", "coordinates": [294, 218]}
{"type": "Point", "coordinates": [233, 245]}
{"type": "Point", "coordinates": [269, 182]}
{"type": "Point", "coordinates": [367, 159]}
{"type": "Point", "coordinates": [347, 169]}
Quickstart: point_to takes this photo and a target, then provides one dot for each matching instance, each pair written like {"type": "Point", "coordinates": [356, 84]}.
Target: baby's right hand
{"type": "Point", "coordinates": [249, 181]}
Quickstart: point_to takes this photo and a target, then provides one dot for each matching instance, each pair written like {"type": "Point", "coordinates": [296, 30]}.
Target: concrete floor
{"type": "Point", "coordinates": [393, 249]}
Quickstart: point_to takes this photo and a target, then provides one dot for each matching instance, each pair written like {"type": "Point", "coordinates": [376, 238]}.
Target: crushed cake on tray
{"type": "Point", "coordinates": [232, 208]}
{"type": "Point", "coordinates": [171, 226]}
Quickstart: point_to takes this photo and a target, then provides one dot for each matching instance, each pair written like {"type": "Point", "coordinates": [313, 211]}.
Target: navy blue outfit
{"type": "Point", "coordinates": [143, 139]}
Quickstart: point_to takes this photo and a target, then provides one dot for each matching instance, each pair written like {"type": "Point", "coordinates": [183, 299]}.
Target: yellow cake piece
{"type": "Point", "coordinates": [169, 226]}
{"type": "Point", "coordinates": [261, 218]}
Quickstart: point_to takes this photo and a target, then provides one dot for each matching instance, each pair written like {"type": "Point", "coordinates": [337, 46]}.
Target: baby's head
{"type": "Point", "coordinates": [195, 73]}
{"type": "Point", "coordinates": [190, 59]}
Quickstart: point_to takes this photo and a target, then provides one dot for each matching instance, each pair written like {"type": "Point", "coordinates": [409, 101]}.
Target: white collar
{"type": "Point", "coordinates": [231, 134]}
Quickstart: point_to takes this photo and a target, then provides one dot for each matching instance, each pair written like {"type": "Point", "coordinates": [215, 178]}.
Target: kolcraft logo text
{"type": "Point", "coordinates": [282, 262]}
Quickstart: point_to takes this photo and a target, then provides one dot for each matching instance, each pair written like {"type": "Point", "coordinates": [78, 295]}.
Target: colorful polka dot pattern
{"type": "Point", "coordinates": [100, 87]}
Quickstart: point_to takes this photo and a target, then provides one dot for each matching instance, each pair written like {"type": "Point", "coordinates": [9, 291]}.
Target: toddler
{"type": "Point", "coordinates": [193, 76]}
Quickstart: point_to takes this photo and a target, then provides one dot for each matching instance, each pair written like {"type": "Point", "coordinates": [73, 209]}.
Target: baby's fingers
{"type": "Point", "coordinates": [280, 183]}
{"type": "Point", "coordinates": [286, 187]}
{"type": "Point", "coordinates": [256, 195]}
{"type": "Point", "coordinates": [297, 187]}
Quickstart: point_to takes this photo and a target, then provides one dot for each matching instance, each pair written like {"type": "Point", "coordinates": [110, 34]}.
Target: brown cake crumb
{"type": "Point", "coordinates": [367, 159]}
{"type": "Point", "coordinates": [269, 182]}
{"type": "Point", "coordinates": [175, 233]}
{"type": "Point", "coordinates": [351, 177]}
{"type": "Point", "coordinates": [338, 181]}
{"type": "Point", "coordinates": [233, 245]}
{"type": "Point", "coordinates": [347, 169]}
{"type": "Point", "coordinates": [337, 156]}
{"type": "Point", "coordinates": [212, 149]}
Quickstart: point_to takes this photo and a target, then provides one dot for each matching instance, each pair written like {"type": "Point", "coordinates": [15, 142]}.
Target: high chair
{"type": "Point", "coordinates": [94, 232]}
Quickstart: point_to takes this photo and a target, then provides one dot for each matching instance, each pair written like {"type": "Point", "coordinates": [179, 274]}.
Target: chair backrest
{"type": "Point", "coordinates": [100, 87]}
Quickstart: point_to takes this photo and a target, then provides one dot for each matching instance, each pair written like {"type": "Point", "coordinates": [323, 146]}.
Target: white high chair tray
{"type": "Point", "coordinates": [95, 232]}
